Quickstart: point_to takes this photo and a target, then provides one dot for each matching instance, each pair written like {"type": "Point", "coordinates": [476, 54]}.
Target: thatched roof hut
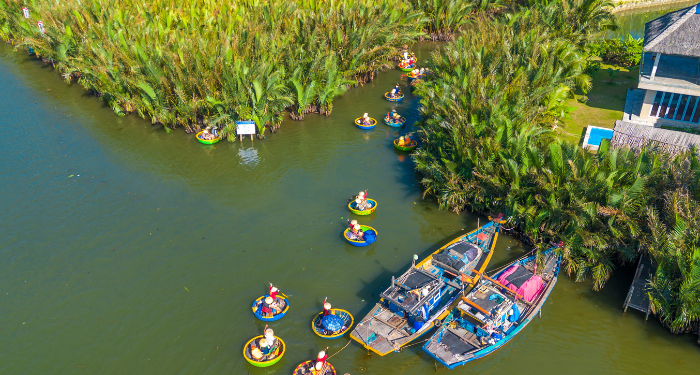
{"type": "Point", "coordinates": [676, 33]}
{"type": "Point", "coordinates": [634, 136]}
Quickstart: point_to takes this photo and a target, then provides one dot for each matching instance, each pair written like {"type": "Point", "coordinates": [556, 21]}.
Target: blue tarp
{"type": "Point", "coordinates": [370, 236]}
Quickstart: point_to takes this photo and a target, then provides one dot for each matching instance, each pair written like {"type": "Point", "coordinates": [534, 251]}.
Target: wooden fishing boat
{"type": "Point", "coordinates": [267, 360]}
{"type": "Point", "coordinates": [352, 206]}
{"type": "Point", "coordinates": [304, 368]}
{"type": "Point", "coordinates": [410, 147]}
{"type": "Point", "coordinates": [419, 299]}
{"type": "Point", "coordinates": [396, 99]}
{"type": "Point", "coordinates": [358, 243]}
{"type": "Point", "coordinates": [395, 123]}
{"type": "Point", "coordinates": [358, 123]}
{"type": "Point", "coordinates": [319, 329]}
{"type": "Point", "coordinates": [496, 310]}
{"type": "Point", "coordinates": [281, 300]}
{"type": "Point", "coordinates": [207, 141]}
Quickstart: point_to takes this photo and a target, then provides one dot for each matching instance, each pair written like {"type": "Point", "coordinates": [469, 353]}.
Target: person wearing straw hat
{"type": "Point", "coordinates": [273, 291]}
{"type": "Point", "coordinates": [318, 368]}
{"type": "Point", "coordinates": [356, 232]}
{"type": "Point", "coordinates": [270, 337]}
{"type": "Point", "coordinates": [321, 358]}
{"type": "Point", "coordinates": [267, 308]}
{"type": "Point", "coordinates": [401, 142]}
{"type": "Point", "coordinates": [264, 347]}
{"type": "Point", "coordinates": [360, 204]}
{"type": "Point", "coordinates": [393, 93]}
{"type": "Point", "coordinates": [352, 224]}
{"type": "Point", "coordinates": [327, 309]}
{"type": "Point", "coordinates": [366, 120]}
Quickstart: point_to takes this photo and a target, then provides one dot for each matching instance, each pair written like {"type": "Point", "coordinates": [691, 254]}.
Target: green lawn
{"type": "Point", "coordinates": [606, 102]}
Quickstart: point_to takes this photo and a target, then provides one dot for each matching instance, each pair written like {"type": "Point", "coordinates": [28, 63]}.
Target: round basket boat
{"type": "Point", "coordinates": [304, 369]}
{"type": "Point", "coordinates": [281, 298]}
{"type": "Point", "coordinates": [396, 99]}
{"type": "Point", "coordinates": [319, 329]}
{"type": "Point", "coordinates": [363, 212]}
{"type": "Point", "coordinates": [358, 123]}
{"type": "Point", "coordinates": [395, 124]}
{"type": "Point", "coordinates": [408, 68]}
{"type": "Point", "coordinates": [207, 141]}
{"type": "Point", "coordinates": [412, 77]}
{"type": "Point", "coordinates": [276, 355]}
{"type": "Point", "coordinates": [357, 243]}
{"type": "Point", "coordinates": [410, 147]}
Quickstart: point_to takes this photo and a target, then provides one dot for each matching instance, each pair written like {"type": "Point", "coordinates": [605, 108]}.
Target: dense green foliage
{"type": "Point", "coordinates": [489, 109]}
{"type": "Point", "coordinates": [213, 61]}
{"type": "Point", "coordinates": [624, 52]}
{"type": "Point", "coordinates": [446, 17]}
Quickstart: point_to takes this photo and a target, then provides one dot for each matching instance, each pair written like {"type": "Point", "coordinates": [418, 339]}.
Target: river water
{"type": "Point", "coordinates": [126, 250]}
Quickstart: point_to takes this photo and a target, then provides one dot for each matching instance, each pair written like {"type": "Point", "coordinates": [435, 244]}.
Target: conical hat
{"type": "Point", "coordinates": [327, 306]}
{"type": "Point", "coordinates": [268, 300]}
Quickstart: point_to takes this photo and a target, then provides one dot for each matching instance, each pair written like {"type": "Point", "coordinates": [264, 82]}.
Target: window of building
{"type": "Point", "coordinates": [677, 107]}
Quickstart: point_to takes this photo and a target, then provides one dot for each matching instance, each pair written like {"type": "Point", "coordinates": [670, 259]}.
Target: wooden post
{"type": "Point", "coordinates": [656, 65]}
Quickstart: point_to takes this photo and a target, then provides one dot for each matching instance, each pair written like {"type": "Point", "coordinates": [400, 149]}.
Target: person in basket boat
{"type": "Point", "coordinates": [327, 309]}
{"type": "Point", "coordinates": [397, 87]}
{"type": "Point", "coordinates": [366, 120]}
{"type": "Point", "coordinates": [352, 224]}
{"type": "Point", "coordinates": [361, 204]}
{"type": "Point", "coordinates": [270, 337]}
{"type": "Point", "coordinates": [395, 93]}
{"type": "Point", "coordinates": [206, 135]}
{"type": "Point", "coordinates": [321, 359]}
{"type": "Point", "coordinates": [402, 142]}
{"type": "Point", "coordinates": [355, 233]}
{"type": "Point", "coordinates": [364, 204]}
{"type": "Point", "coordinates": [269, 307]}
{"type": "Point", "coordinates": [406, 140]}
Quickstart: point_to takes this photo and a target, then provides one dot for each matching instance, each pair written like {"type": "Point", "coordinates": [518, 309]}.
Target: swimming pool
{"type": "Point", "coordinates": [594, 135]}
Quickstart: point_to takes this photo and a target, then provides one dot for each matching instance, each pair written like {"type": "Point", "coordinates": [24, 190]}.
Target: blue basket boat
{"type": "Point", "coordinates": [395, 100]}
{"type": "Point", "coordinates": [281, 300]}
{"type": "Point", "coordinates": [332, 326]}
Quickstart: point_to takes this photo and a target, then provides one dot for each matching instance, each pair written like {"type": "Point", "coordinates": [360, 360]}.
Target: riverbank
{"type": "Point", "coordinates": [622, 6]}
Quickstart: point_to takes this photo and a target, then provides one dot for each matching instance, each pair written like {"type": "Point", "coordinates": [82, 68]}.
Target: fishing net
{"type": "Point", "coordinates": [332, 323]}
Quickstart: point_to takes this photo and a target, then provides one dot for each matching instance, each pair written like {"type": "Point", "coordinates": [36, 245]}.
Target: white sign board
{"type": "Point", "coordinates": [26, 12]}
{"type": "Point", "coordinates": [41, 27]}
{"type": "Point", "coordinates": [245, 127]}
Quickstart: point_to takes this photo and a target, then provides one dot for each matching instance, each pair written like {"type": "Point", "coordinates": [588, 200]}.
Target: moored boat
{"type": "Point", "coordinates": [359, 124]}
{"type": "Point", "coordinates": [207, 141]}
{"type": "Point", "coordinates": [281, 302]}
{"type": "Point", "coordinates": [410, 147]}
{"type": "Point", "coordinates": [421, 297]}
{"type": "Point", "coordinates": [332, 326]}
{"type": "Point", "coordinates": [395, 123]}
{"type": "Point", "coordinates": [496, 310]}
{"type": "Point", "coordinates": [407, 68]}
{"type": "Point", "coordinates": [305, 368]}
{"type": "Point", "coordinates": [361, 243]}
{"type": "Point", "coordinates": [255, 357]}
{"type": "Point", "coordinates": [395, 99]}
{"type": "Point", "coordinates": [352, 206]}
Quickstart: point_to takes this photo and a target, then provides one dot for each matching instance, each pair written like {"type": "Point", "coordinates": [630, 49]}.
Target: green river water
{"type": "Point", "coordinates": [126, 250]}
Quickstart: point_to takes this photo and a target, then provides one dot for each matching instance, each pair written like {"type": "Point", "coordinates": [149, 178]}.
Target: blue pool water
{"type": "Point", "coordinates": [598, 134]}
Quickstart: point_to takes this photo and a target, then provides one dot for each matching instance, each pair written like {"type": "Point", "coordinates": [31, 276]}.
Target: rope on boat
{"type": "Point", "coordinates": [341, 349]}
{"type": "Point", "coordinates": [415, 343]}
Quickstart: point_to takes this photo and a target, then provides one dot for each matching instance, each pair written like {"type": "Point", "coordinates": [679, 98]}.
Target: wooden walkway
{"type": "Point", "coordinates": [638, 297]}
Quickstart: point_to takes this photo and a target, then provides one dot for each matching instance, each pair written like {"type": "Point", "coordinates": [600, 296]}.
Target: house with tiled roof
{"type": "Point", "coordinates": [668, 92]}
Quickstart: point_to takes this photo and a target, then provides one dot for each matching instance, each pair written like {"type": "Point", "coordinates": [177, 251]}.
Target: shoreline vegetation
{"type": "Point", "coordinates": [498, 90]}
{"type": "Point", "coordinates": [212, 63]}
{"type": "Point", "coordinates": [490, 111]}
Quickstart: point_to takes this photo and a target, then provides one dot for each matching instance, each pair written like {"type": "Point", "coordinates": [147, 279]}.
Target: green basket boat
{"type": "Point", "coordinates": [364, 212]}
{"type": "Point", "coordinates": [278, 353]}
{"type": "Point", "coordinates": [411, 147]}
{"type": "Point", "coordinates": [207, 141]}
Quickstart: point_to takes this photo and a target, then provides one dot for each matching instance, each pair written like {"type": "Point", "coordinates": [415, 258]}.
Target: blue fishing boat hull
{"type": "Point", "coordinates": [514, 332]}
